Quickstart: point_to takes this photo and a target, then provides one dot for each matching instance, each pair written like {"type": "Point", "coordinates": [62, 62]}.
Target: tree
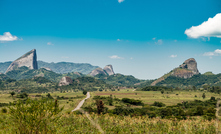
{"type": "Point", "coordinates": [84, 92]}
{"type": "Point", "coordinates": [12, 93]}
{"type": "Point", "coordinates": [100, 106]}
{"type": "Point", "coordinates": [162, 91]}
{"type": "Point", "coordinates": [204, 95]}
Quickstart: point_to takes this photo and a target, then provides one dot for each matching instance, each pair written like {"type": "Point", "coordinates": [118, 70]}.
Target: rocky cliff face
{"type": "Point", "coordinates": [29, 60]}
{"type": "Point", "coordinates": [109, 69]}
{"type": "Point", "coordinates": [186, 70]}
{"type": "Point", "coordinates": [65, 81]}
{"type": "Point", "coordinates": [97, 71]}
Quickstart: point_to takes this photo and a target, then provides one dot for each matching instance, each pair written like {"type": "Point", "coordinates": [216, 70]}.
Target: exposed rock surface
{"type": "Point", "coordinates": [29, 60]}
{"type": "Point", "coordinates": [65, 81]}
{"type": "Point", "coordinates": [47, 68]}
{"type": "Point", "coordinates": [97, 71]}
{"type": "Point", "coordinates": [186, 70]}
{"type": "Point", "coordinates": [109, 70]}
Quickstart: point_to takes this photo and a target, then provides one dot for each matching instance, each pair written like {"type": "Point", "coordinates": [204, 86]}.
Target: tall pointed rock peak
{"type": "Point", "coordinates": [29, 60]}
{"type": "Point", "coordinates": [109, 70]}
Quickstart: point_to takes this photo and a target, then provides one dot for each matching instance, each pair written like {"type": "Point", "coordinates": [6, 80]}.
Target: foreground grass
{"type": "Point", "coordinates": [121, 124]}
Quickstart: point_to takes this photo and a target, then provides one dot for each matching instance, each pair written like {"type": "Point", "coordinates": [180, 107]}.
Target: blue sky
{"type": "Point", "coordinates": [142, 38]}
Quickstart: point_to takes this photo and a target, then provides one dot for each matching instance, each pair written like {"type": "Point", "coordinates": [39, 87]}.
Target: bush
{"type": "Point", "coordinates": [84, 92]}
{"type": "Point", "coordinates": [132, 101]}
{"type": "Point", "coordinates": [4, 110]}
{"type": "Point", "coordinates": [158, 104]}
{"type": "Point", "coordinates": [35, 116]}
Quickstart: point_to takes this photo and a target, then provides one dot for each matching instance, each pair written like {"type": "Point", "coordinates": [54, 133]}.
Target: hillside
{"type": "Point", "coordinates": [4, 66]}
{"type": "Point", "coordinates": [25, 73]}
{"type": "Point", "coordinates": [120, 79]}
{"type": "Point", "coordinates": [67, 67]}
{"type": "Point", "coordinates": [197, 81]}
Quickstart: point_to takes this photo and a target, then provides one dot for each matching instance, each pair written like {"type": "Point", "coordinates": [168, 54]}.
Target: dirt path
{"type": "Point", "coordinates": [82, 102]}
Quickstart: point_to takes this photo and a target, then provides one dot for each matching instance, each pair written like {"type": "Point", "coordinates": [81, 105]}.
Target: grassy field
{"type": "Point", "coordinates": [72, 123]}
{"type": "Point", "coordinates": [149, 97]}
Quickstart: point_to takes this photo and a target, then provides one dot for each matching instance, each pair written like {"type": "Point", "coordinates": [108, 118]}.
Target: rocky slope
{"type": "Point", "coordinates": [97, 71]}
{"type": "Point", "coordinates": [65, 81]}
{"type": "Point", "coordinates": [108, 70]}
{"type": "Point", "coordinates": [185, 70]}
{"type": "Point", "coordinates": [29, 60]}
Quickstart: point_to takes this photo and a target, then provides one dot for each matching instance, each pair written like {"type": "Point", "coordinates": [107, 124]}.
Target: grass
{"type": "Point", "coordinates": [149, 97]}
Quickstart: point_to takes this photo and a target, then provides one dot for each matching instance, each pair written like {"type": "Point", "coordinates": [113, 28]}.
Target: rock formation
{"type": "Point", "coordinates": [109, 69]}
{"type": "Point", "coordinates": [97, 71]}
{"type": "Point", "coordinates": [65, 81]}
{"type": "Point", "coordinates": [186, 70]}
{"type": "Point", "coordinates": [29, 60]}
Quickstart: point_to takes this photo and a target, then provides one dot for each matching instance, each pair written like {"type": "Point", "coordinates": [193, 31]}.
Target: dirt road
{"type": "Point", "coordinates": [82, 102]}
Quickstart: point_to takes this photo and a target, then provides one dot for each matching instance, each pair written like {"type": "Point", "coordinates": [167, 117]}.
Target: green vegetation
{"type": "Point", "coordinates": [68, 67]}
{"type": "Point", "coordinates": [197, 81]}
{"type": "Point", "coordinates": [120, 80]}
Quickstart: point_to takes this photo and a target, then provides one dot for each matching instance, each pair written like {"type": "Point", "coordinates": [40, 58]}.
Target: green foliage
{"type": "Point", "coordinates": [67, 67]}
{"type": "Point", "coordinates": [119, 79]}
{"type": "Point", "coordinates": [196, 80]}
{"type": "Point", "coordinates": [204, 95]}
{"type": "Point", "coordinates": [4, 110]}
{"type": "Point", "coordinates": [155, 88]}
{"type": "Point", "coordinates": [84, 92]}
{"type": "Point", "coordinates": [158, 104]}
{"type": "Point", "coordinates": [132, 101]}
{"type": "Point", "coordinates": [35, 116]}
{"type": "Point", "coordinates": [162, 91]}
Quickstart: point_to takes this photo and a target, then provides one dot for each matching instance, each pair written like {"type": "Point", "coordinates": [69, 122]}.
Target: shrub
{"type": "Point", "coordinates": [4, 110]}
{"type": "Point", "coordinates": [158, 104]}
{"type": "Point", "coordinates": [35, 116]}
{"type": "Point", "coordinates": [84, 92]}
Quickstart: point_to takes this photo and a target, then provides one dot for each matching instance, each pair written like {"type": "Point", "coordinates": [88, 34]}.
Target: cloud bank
{"type": "Point", "coordinates": [8, 37]}
{"type": "Point", "coordinates": [209, 28]}
{"type": "Point", "coordinates": [115, 57]}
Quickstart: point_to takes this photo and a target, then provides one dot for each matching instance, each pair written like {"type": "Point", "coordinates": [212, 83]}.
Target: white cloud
{"type": "Point", "coordinates": [173, 56]}
{"type": "Point", "coordinates": [115, 57]}
{"type": "Point", "coordinates": [209, 28]}
{"type": "Point", "coordinates": [120, 1]}
{"type": "Point", "coordinates": [8, 37]}
{"type": "Point", "coordinates": [118, 40]}
{"type": "Point", "coordinates": [175, 40]}
{"type": "Point", "coordinates": [154, 38]}
{"type": "Point", "coordinates": [49, 43]}
{"type": "Point", "coordinates": [217, 52]}
{"type": "Point", "coordinates": [159, 42]}
{"type": "Point", "coordinates": [131, 58]}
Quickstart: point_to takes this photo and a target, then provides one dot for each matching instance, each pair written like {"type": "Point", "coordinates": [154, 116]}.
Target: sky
{"type": "Point", "coordinates": [142, 38]}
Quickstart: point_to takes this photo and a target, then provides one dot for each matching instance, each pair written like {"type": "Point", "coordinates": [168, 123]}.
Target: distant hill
{"type": "Point", "coordinates": [67, 67]}
{"type": "Point", "coordinates": [197, 80]}
{"type": "Point", "coordinates": [120, 79]}
{"type": "Point", "coordinates": [60, 67]}
{"type": "Point", "coordinates": [26, 73]}
{"type": "Point", "coordinates": [4, 66]}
